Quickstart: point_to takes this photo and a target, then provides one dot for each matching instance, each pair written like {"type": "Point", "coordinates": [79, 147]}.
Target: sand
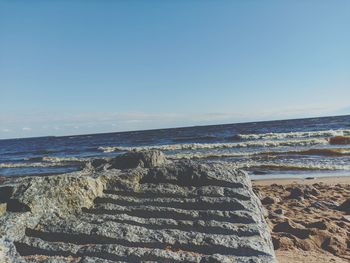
{"type": "Point", "coordinates": [306, 218]}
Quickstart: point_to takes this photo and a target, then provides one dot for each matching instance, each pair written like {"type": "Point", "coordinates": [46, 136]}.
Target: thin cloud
{"type": "Point", "coordinates": [42, 124]}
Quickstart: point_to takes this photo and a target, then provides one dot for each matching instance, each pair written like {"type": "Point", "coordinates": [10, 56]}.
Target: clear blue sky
{"type": "Point", "coordinates": [72, 67]}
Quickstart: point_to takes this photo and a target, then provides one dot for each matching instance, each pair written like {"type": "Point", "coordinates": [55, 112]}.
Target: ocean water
{"type": "Point", "coordinates": [272, 149]}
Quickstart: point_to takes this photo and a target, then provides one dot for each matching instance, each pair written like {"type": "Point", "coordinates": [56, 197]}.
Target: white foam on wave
{"type": "Point", "coordinates": [314, 151]}
{"type": "Point", "coordinates": [197, 146]}
{"type": "Point", "coordinates": [287, 166]}
{"type": "Point", "coordinates": [20, 165]}
{"type": "Point", "coordinates": [57, 159]}
{"type": "Point", "coordinates": [294, 166]}
{"type": "Point", "coordinates": [310, 134]}
{"type": "Point", "coordinates": [45, 161]}
{"type": "Point", "coordinates": [63, 159]}
{"type": "Point", "coordinates": [210, 155]}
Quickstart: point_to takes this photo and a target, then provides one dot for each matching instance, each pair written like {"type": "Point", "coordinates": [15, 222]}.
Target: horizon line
{"type": "Point", "coordinates": [169, 128]}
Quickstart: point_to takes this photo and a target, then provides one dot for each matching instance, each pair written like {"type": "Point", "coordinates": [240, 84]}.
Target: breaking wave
{"type": "Point", "coordinates": [287, 166]}
{"type": "Point", "coordinates": [45, 161]}
{"type": "Point", "coordinates": [21, 165]}
{"type": "Point", "coordinates": [208, 155]}
{"type": "Point", "coordinates": [241, 164]}
{"type": "Point", "coordinates": [197, 146]}
{"type": "Point", "coordinates": [327, 133]}
{"type": "Point", "coordinates": [57, 159]}
{"type": "Point", "coordinates": [293, 166]}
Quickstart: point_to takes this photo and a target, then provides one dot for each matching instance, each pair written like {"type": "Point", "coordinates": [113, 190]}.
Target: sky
{"type": "Point", "coordinates": [77, 67]}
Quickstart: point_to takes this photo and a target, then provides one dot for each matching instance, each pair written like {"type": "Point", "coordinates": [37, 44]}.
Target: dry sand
{"type": "Point", "coordinates": [306, 218]}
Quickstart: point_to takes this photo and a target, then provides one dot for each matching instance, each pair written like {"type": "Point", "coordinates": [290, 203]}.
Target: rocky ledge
{"type": "Point", "coordinates": [137, 207]}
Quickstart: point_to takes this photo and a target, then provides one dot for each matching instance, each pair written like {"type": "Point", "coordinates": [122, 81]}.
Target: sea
{"type": "Point", "coordinates": [299, 148]}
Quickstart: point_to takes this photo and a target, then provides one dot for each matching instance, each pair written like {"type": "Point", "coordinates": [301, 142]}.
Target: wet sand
{"type": "Point", "coordinates": [307, 218]}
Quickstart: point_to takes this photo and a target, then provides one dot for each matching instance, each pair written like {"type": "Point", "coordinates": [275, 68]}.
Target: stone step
{"type": "Point", "coordinates": [170, 190]}
{"type": "Point", "coordinates": [53, 259]}
{"type": "Point", "coordinates": [84, 233]}
{"type": "Point", "coordinates": [100, 260]}
{"type": "Point", "coordinates": [31, 246]}
{"type": "Point", "coordinates": [241, 216]}
{"type": "Point", "coordinates": [202, 226]}
{"type": "Point", "coordinates": [199, 203]}
{"type": "Point", "coordinates": [38, 250]}
{"type": "Point", "coordinates": [195, 183]}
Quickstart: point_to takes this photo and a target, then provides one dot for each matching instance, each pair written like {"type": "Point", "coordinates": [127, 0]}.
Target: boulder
{"type": "Point", "coordinates": [179, 211]}
{"type": "Point", "coordinates": [129, 160]}
{"type": "Point", "coordinates": [144, 159]}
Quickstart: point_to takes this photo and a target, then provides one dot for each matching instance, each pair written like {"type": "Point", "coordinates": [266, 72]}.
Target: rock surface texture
{"type": "Point", "coordinates": [134, 208]}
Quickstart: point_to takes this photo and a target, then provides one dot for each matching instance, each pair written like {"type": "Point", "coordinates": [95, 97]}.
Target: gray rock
{"type": "Point", "coordinates": [292, 228]}
{"type": "Point", "coordinates": [303, 191]}
{"type": "Point", "coordinates": [280, 211]}
{"type": "Point", "coordinates": [130, 160]}
{"type": "Point", "coordinates": [325, 204]}
{"type": "Point", "coordinates": [345, 206]}
{"type": "Point", "coordinates": [144, 159]}
{"type": "Point", "coordinates": [321, 224]}
{"type": "Point", "coordinates": [159, 211]}
{"type": "Point", "coordinates": [296, 193]}
{"type": "Point", "coordinates": [268, 200]}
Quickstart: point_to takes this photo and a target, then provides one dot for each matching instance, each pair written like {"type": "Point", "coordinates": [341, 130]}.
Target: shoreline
{"type": "Point", "coordinates": [329, 180]}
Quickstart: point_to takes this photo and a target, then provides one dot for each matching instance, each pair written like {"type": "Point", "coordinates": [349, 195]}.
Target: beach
{"type": "Point", "coordinates": [174, 131]}
{"type": "Point", "coordinates": [307, 219]}
{"type": "Point", "coordinates": [298, 169]}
